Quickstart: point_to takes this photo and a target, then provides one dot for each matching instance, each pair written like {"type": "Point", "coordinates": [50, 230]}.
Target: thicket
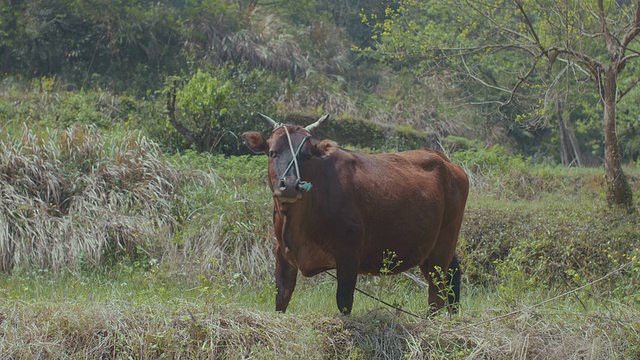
{"type": "Point", "coordinates": [45, 104]}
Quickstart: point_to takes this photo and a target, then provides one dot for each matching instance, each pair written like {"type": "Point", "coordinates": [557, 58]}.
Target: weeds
{"type": "Point", "coordinates": [390, 261]}
{"type": "Point", "coordinates": [440, 279]}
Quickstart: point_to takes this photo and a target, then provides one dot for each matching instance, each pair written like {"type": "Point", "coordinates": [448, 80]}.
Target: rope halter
{"type": "Point", "coordinates": [295, 152]}
{"type": "Point", "coordinates": [294, 160]}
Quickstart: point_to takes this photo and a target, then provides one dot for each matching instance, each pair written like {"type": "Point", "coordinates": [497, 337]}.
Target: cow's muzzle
{"type": "Point", "coordinates": [287, 190]}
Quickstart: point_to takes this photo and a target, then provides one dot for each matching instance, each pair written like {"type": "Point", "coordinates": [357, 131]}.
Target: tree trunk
{"type": "Point", "coordinates": [564, 153]}
{"type": "Point", "coordinates": [618, 189]}
{"type": "Point", "coordinates": [569, 149]}
{"type": "Point", "coordinates": [574, 145]}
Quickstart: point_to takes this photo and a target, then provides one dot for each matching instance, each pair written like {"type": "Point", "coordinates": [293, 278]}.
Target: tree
{"type": "Point", "coordinates": [595, 41]}
{"type": "Point", "coordinates": [202, 102]}
{"type": "Point", "coordinates": [214, 105]}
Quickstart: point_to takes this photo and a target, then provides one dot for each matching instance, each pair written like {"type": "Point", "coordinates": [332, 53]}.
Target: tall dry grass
{"type": "Point", "coordinates": [74, 197]}
{"type": "Point", "coordinates": [225, 226]}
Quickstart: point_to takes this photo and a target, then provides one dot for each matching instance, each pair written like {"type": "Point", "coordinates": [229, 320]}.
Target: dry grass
{"type": "Point", "coordinates": [74, 197]}
{"type": "Point", "coordinates": [113, 330]}
{"type": "Point", "coordinates": [191, 329]}
{"type": "Point", "coordinates": [224, 217]}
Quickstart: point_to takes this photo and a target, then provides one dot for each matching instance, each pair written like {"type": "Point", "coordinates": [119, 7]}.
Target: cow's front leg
{"type": "Point", "coordinates": [286, 275]}
{"type": "Point", "coordinates": [347, 274]}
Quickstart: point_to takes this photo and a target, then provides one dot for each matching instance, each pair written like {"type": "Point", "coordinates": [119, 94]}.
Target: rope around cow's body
{"type": "Point", "coordinates": [515, 312]}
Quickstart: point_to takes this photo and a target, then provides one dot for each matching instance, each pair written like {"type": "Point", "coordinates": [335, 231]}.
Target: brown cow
{"type": "Point", "coordinates": [343, 210]}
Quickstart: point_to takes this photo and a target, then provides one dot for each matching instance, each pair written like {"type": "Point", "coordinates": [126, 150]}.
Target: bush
{"type": "Point", "coordinates": [45, 103]}
{"type": "Point", "coordinates": [215, 106]}
{"type": "Point", "coordinates": [555, 242]}
{"type": "Point", "coordinates": [364, 134]}
{"type": "Point", "coordinates": [498, 175]}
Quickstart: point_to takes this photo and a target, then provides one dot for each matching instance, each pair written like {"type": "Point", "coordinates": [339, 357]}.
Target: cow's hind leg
{"type": "Point", "coordinates": [455, 282]}
{"type": "Point", "coordinates": [286, 276]}
{"type": "Point", "coordinates": [443, 274]}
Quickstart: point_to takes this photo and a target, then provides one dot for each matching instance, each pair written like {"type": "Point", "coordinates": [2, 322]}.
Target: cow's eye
{"type": "Point", "coordinates": [272, 154]}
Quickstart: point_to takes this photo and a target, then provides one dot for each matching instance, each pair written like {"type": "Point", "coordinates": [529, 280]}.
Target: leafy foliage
{"type": "Point", "coordinates": [394, 69]}
{"type": "Point", "coordinates": [201, 102]}
{"type": "Point", "coordinates": [209, 111]}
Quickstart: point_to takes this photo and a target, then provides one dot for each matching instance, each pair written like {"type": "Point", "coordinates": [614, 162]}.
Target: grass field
{"type": "Point", "coordinates": [111, 249]}
{"type": "Point", "coordinates": [130, 316]}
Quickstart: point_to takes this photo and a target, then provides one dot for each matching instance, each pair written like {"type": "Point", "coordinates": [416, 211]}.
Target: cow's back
{"type": "Point", "coordinates": [401, 201]}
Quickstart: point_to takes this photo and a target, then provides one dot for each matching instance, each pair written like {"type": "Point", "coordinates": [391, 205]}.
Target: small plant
{"type": "Point", "coordinates": [390, 262]}
{"type": "Point", "coordinates": [445, 292]}
{"type": "Point", "coordinates": [195, 110]}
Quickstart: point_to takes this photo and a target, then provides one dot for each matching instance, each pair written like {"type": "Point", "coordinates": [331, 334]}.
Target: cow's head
{"type": "Point", "coordinates": [290, 148]}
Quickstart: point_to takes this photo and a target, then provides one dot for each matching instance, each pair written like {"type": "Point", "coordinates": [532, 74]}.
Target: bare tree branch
{"type": "Point", "coordinates": [476, 78]}
{"type": "Point", "coordinates": [614, 48]}
{"type": "Point", "coordinates": [579, 57]}
{"type": "Point", "coordinates": [521, 81]}
{"type": "Point", "coordinates": [530, 27]}
{"type": "Point", "coordinates": [554, 82]}
{"type": "Point", "coordinates": [575, 65]}
{"type": "Point", "coordinates": [635, 29]}
{"type": "Point", "coordinates": [171, 112]}
{"type": "Point", "coordinates": [628, 89]}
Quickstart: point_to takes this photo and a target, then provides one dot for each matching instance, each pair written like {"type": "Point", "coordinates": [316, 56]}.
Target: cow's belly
{"type": "Point", "coordinates": [405, 236]}
{"type": "Point", "coordinates": [312, 260]}
{"type": "Point", "coordinates": [396, 252]}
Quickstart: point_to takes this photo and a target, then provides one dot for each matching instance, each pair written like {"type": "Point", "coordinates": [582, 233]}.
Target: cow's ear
{"type": "Point", "coordinates": [325, 148]}
{"type": "Point", "coordinates": [256, 142]}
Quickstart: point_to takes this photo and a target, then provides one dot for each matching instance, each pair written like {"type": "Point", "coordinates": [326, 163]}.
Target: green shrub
{"type": "Point", "coordinates": [45, 103]}
{"type": "Point", "coordinates": [553, 242]}
{"type": "Point", "coordinates": [496, 174]}
{"type": "Point", "coordinates": [361, 133]}
{"type": "Point", "coordinates": [216, 105]}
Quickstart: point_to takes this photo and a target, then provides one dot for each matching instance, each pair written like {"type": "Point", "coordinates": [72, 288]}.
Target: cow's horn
{"type": "Point", "coordinates": [269, 120]}
{"type": "Point", "coordinates": [317, 123]}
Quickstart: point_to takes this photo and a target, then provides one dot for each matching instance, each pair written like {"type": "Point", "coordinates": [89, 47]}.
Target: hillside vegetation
{"type": "Point", "coordinates": [386, 62]}
{"type": "Point", "coordinates": [134, 224]}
